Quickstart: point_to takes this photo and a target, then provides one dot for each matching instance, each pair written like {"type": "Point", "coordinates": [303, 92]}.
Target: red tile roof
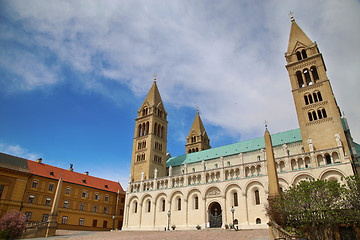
{"type": "Point", "coordinates": [48, 171]}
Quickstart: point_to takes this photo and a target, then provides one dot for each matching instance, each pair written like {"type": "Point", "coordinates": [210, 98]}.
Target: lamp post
{"type": "Point", "coordinates": [113, 218]}
{"type": "Point", "coordinates": [232, 211]}
{"type": "Point", "coordinates": [168, 220]}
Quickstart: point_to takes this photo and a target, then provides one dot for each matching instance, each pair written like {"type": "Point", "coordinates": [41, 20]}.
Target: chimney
{"type": "Point", "coordinates": [86, 173]}
{"type": "Point", "coordinates": [39, 160]}
{"type": "Point", "coordinates": [71, 167]}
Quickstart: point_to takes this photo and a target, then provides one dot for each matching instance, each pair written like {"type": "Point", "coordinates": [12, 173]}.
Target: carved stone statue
{"type": "Point", "coordinates": [285, 147]}
{"type": "Point", "coordinates": [130, 178]}
{"type": "Point", "coordinates": [338, 140]}
{"type": "Point", "coordinates": [155, 173]}
{"type": "Point", "coordinates": [221, 161]}
{"type": "Point", "coordinates": [263, 153]}
{"type": "Point", "coordinates": [241, 157]}
{"type": "Point", "coordinates": [203, 164]}
{"type": "Point", "coordinates": [170, 171]}
{"type": "Point", "coordinates": [142, 176]}
{"type": "Point", "coordinates": [310, 143]}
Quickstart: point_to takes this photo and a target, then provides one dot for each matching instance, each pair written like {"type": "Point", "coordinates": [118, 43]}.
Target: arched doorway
{"type": "Point", "coordinates": [215, 215]}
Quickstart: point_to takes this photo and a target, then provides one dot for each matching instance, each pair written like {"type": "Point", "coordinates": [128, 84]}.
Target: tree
{"type": "Point", "coordinates": [317, 207]}
{"type": "Point", "coordinates": [12, 224]}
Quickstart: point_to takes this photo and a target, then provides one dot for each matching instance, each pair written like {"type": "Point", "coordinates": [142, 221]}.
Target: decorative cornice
{"type": "Point", "coordinates": [319, 121]}
{"type": "Point", "coordinates": [315, 105]}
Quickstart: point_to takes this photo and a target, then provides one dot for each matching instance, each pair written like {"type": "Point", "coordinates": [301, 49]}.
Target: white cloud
{"type": "Point", "coordinates": [18, 151]}
{"type": "Point", "coordinates": [227, 57]}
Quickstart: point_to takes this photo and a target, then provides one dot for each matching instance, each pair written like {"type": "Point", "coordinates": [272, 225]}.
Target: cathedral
{"type": "Point", "coordinates": [213, 187]}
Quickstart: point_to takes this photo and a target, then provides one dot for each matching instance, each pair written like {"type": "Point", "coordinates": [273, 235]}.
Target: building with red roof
{"type": "Point", "coordinates": [86, 202]}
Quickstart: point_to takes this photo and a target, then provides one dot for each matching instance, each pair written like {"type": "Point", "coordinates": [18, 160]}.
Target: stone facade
{"type": "Point", "coordinates": [214, 187]}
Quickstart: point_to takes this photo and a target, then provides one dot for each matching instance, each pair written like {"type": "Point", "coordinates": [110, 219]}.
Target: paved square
{"type": "Point", "coordinates": [208, 234]}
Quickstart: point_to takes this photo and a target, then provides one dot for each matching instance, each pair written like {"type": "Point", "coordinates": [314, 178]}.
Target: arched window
{"type": "Point", "coordinates": [298, 54]}
{"type": "Point", "coordinates": [315, 97]}
{"type": "Point", "coordinates": [310, 99]}
{"type": "Point", "coordinates": [143, 129]}
{"type": "Point", "coordinates": [147, 128]}
{"type": "Point", "coordinates": [310, 116]}
{"type": "Point", "coordinates": [179, 204]}
{"type": "Point", "coordinates": [304, 55]}
{"type": "Point", "coordinates": [258, 221]}
{"type": "Point", "coordinates": [319, 114]}
{"type": "Point", "coordinates": [324, 113]}
{"type": "Point", "coordinates": [228, 163]}
{"type": "Point", "coordinates": [257, 197]}
{"type": "Point", "coordinates": [197, 149]}
{"type": "Point", "coordinates": [189, 150]}
{"type": "Point", "coordinates": [139, 128]}
{"type": "Point", "coordinates": [318, 95]}
{"type": "Point", "coordinates": [314, 115]}
{"type": "Point", "coordinates": [314, 73]}
{"type": "Point", "coordinates": [307, 77]}
{"type": "Point", "coordinates": [300, 79]}
{"type": "Point", "coordinates": [235, 199]}
{"type": "Point", "coordinates": [328, 159]}
{"type": "Point", "coordinates": [149, 206]}
{"type": "Point", "coordinates": [193, 169]}
{"type": "Point", "coordinates": [135, 207]}
{"type": "Point", "coordinates": [196, 203]}
{"type": "Point", "coordinates": [306, 100]}
{"type": "Point", "coordinates": [163, 205]}
{"type": "Point", "coordinates": [258, 157]}
{"type": "Point", "coordinates": [155, 129]}
{"type": "Point", "coordinates": [162, 132]}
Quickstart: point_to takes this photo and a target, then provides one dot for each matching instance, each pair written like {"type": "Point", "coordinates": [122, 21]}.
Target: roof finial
{"type": "Point", "coordinates": [197, 109]}
{"type": "Point", "coordinates": [266, 124]}
{"type": "Point", "coordinates": [155, 77]}
{"type": "Point", "coordinates": [291, 16]}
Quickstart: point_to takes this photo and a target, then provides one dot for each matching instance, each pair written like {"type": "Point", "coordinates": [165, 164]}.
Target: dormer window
{"type": "Point", "coordinates": [84, 180]}
{"type": "Point", "coordinates": [106, 186]}
{"type": "Point", "coordinates": [51, 173]}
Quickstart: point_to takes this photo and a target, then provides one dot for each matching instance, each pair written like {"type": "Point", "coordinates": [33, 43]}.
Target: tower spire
{"type": "Point", "coordinates": [197, 140]}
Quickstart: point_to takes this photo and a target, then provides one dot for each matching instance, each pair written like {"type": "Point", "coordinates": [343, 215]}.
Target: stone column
{"type": "Point", "coordinates": [52, 223]}
{"type": "Point", "coordinates": [245, 209]}
{"type": "Point", "coordinates": [140, 214]}
{"type": "Point", "coordinates": [154, 217]}
{"type": "Point", "coordinates": [224, 219]}
{"type": "Point", "coordinates": [186, 213]}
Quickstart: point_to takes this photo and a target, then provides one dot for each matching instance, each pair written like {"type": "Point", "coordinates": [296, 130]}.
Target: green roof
{"type": "Point", "coordinates": [235, 148]}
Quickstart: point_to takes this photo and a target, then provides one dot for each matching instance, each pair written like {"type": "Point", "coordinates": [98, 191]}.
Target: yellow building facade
{"type": "Point", "coordinates": [85, 203]}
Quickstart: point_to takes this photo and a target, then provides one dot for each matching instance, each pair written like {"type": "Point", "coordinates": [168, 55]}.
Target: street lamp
{"type": "Point", "coordinates": [113, 218]}
{"type": "Point", "coordinates": [232, 211]}
{"type": "Point", "coordinates": [168, 220]}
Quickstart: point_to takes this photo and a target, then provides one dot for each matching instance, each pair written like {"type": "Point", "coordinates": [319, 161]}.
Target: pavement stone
{"type": "Point", "coordinates": [206, 234]}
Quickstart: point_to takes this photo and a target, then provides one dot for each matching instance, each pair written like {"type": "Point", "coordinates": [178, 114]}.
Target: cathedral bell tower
{"type": "Point", "coordinates": [150, 139]}
{"type": "Point", "coordinates": [317, 111]}
{"type": "Point", "coordinates": [197, 140]}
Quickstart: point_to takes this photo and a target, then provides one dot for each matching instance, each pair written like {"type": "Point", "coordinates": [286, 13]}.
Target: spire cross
{"type": "Point", "coordinates": [155, 77]}
{"type": "Point", "coordinates": [291, 15]}
{"type": "Point", "coordinates": [197, 109]}
{"type": "Point", "coordinates": [266, 124]}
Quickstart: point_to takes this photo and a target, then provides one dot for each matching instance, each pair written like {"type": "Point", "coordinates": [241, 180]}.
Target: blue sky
{"type": "Point", "coordinates": [74, 73]}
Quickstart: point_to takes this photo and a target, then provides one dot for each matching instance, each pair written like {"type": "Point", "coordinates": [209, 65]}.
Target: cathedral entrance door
{"type": "Point", "coordinates": [215, 215]}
